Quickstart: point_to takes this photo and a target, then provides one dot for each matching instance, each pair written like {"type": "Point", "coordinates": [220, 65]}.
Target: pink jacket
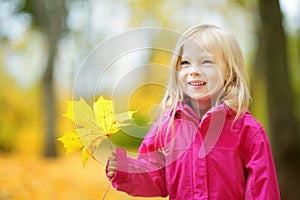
{"type": "Point", "coordinates": [207, 159]}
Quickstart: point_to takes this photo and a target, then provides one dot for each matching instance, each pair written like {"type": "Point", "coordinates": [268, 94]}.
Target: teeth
{"type": "Point", "coordinates": [197, 83]}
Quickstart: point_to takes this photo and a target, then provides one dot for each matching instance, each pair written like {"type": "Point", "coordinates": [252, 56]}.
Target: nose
{"type": "Point", "coordinates": [194, 71]}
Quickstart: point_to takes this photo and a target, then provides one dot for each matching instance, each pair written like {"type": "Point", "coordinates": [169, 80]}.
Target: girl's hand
{"type": "Point", "coordinates": [112, 164]}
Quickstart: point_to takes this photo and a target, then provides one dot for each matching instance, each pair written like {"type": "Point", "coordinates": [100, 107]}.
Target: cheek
{"type": "Point", "coordinates": [180, 77]}
{"type": "Point", "coordinates": [216, 81]}
{"type": "Point", "coordinates": [223, 71]}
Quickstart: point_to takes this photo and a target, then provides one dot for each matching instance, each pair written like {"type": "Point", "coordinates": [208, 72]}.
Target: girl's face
{"type": "Point", "coordinates": [200, 76]}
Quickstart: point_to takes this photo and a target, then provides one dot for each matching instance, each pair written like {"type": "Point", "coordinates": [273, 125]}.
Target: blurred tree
{"type": "Point", "coordinates": [49, 17]}
{"type": "Point", "coordinates": [272, 57]}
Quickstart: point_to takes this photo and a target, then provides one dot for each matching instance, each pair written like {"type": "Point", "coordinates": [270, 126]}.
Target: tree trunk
{"type": "Point", "coordinates": [50, 16]}
{"type": "Point", "coordinates": [273, 58]}
{"type": "Point", "coordinates": [50, 107]}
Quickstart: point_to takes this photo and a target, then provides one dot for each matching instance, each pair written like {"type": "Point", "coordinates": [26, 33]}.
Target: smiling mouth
{"type": "Point", "coordinates": [196, 83]}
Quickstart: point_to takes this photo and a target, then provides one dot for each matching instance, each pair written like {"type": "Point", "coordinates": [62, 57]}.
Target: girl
{"type": "Point", "coordinates": [206, 144]}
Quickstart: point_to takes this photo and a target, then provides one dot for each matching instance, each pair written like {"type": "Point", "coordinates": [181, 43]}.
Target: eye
{"type": "Point", "coordinates": [207, 62]}
{"type": "Point", "coordinates": [185, 62]}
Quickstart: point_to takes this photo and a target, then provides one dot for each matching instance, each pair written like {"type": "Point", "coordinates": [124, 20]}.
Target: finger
{"type": "Point", "coordinates": [113, 153]}
{"type": "Point", "coordinates": [111, 173]}
{"type": "Point", "coordinates": [112, 164]}
{"type": "Point", "coordinates": [112, 157]}
{"type": "Point", "coordinates": [111, 168]}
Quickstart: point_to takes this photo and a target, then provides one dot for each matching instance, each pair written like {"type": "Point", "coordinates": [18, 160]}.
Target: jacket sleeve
{"type": "Point", "coordinates": [261, 180]}
{"type": "Point", "coordinates": [144, 176]}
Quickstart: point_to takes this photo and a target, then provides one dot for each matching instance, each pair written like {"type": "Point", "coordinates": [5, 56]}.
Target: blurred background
{"type": "Point", "coordinates": [44, 46]}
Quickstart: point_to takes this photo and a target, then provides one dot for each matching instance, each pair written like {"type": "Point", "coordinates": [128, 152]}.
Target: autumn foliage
{"type": "Point", "coordinates": [32, 178]}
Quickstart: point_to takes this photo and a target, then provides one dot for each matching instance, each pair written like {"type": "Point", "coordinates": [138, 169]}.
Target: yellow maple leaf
{"type": "Point", "coordinates": [71, 141]}
{"type": "Point", "coordinates": [69, 113]}
{"type": "Point", "coordinates": [94, 125]}
{"type": "Point", "coordinates": [109, 121]}
{"type": "Point", "coordinates": [104, 114]}
{"type": "Point", "coordinates": [85, 155]}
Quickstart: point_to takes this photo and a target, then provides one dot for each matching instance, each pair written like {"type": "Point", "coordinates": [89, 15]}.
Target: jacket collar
{"type": "Point", "coordinates": [186, 112]}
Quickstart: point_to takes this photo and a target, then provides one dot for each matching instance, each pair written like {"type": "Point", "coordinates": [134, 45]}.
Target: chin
{"type": "Point", "coordinates": [204, 99]}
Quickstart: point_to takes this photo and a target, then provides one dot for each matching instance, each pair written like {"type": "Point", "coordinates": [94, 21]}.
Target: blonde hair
{"type": "Point", "coordinates": [222, 45]}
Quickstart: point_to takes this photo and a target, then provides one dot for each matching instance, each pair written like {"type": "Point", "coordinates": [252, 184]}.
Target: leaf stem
{"type": "Point", "coordinates": [106, 191]}
{"type": "Point", "coordinates": [110, 144]}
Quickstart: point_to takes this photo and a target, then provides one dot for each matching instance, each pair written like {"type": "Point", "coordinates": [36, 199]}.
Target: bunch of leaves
{"type": "Point", "coordinates": [92, 125]}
